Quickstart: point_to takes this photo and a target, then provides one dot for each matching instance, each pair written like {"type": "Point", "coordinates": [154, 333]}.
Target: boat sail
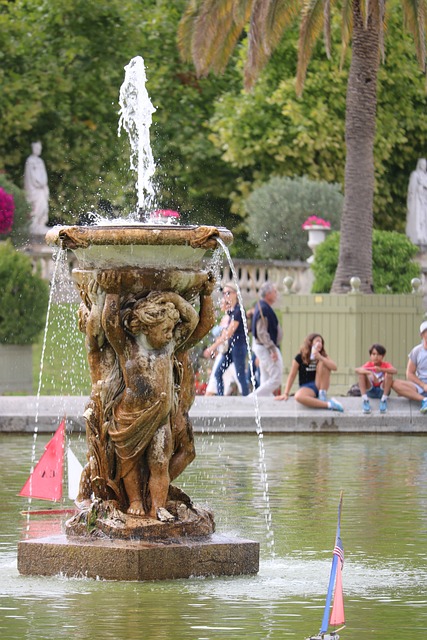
{"type": "Point", "coordinates": [46, 479]}
{"type": "Point", "coordinates": [337, 616]}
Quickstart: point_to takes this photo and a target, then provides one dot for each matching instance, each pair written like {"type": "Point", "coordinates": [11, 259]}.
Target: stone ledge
{"type": "Point", "coordinates": [138, 560]}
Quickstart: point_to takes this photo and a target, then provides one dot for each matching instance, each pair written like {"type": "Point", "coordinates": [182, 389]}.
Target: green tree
{"type": "Point", "coordinates": [269, 131]}
{"type": "Point", "coordinates": [210, 30]}
{"type": "Point", "coordinates": [61, 71]}
{"type": "Point", "coordinates": [392, 263]}
{"type": "Point", "coordinates": [277, 210]}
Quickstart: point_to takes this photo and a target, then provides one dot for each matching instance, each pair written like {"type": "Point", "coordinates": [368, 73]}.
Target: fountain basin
{"type": "Point", "coordinates": [112, 559]}
{"type": "Point", "coordinates": [155, 246]}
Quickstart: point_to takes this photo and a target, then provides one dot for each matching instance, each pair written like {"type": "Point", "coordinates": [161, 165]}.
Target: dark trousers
{"type": "Point", "coordinates": [236, 354]}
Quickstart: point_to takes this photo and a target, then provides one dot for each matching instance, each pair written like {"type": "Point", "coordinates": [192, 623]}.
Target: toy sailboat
{"type": "Point", "coordinates": [337, 616]}
{"type": "Point", "coordinates": [46, 479]}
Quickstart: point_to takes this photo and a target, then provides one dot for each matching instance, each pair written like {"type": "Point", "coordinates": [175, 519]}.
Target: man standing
{"type": "Point", "coordinates": [234, 336]}
{"type": "Point", "coordinates": [415, 385]}
{"type": "Point", "coordinates": [267, 337]}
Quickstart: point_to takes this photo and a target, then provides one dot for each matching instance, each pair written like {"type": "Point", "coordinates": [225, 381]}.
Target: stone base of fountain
{"type": "Point", "coordinates": [113, 559]}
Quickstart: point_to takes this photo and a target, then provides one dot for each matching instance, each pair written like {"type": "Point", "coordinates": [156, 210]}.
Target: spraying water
{"type": "Point", "coordinates": [135, 118]}
{"type": "Point", "coordinates": [262, 463]}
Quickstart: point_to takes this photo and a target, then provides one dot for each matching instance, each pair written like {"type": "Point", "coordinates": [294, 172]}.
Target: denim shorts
{"type": "Point", "coordinates": [375, 392]}
{"type": "Point", "coordinates": [312, 386]}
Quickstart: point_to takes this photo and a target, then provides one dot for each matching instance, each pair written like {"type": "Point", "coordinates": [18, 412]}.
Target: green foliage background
{"type": "Point", "coordinates": [277, 210]}
{"type": "Point", "coordinates": [61, 67]}
{"type": "Point", "coordinates": [392, 258]}
{"type": "Point", "coordinates": [24, 298]}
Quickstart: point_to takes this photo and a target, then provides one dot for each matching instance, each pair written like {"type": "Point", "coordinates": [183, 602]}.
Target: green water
{"type": "Point", "coordinates": [384, 532]}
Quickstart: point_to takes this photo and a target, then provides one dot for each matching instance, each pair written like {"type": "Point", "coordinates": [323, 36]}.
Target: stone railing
{"type": "Point", "coordinates": [251, 274]}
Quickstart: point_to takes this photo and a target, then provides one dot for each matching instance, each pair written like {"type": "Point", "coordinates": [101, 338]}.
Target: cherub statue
{"type": "Point", "coordinates": [145, 337]}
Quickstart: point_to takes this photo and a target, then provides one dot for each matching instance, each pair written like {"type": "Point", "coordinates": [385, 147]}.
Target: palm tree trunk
{"type": "Point", "coordinates": [355, 257]}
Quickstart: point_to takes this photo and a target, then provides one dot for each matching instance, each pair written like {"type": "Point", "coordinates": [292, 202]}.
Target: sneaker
{"type": "Point", "coordinates": [337, 406]}
{"type": "Point", "coordinates": [366, 406]}
{"type": "Point", "coordinates": [322, 396]}
{"type": "Point", "coordinates": [424, 406]}
{"type": "Point", "coordinates": [383, 406]}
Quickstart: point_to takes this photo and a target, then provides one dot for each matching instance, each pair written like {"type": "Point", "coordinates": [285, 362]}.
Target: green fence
{"type": "Point", "coordinates": [349, 324]}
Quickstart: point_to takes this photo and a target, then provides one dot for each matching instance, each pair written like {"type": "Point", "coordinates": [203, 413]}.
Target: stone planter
{"type": "Point", "coordinates": [316, 235]}
{"type": "Point", "coordinates": [16, 368]}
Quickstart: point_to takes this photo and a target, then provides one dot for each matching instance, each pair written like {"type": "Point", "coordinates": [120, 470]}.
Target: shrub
{"type": "Point", "coordinates": [277, 210]}
{"type": "Point", "coordinates": [392, 263]}
{"type": "Point", "coordinates": [19, 233]}
{"type": "Point", "coordinates": [24, 298]}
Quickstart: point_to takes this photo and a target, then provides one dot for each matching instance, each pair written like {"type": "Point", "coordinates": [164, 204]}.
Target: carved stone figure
{"type": "Point", "coordinates": [37, 190]}
{"type": "Point", "coordinates": [416, 221]}
{"type": "Point", "coordinates": [146, 301]}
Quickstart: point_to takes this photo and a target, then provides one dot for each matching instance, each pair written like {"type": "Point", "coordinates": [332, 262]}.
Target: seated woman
{"type": "Point", "coordinates": [313, 366]}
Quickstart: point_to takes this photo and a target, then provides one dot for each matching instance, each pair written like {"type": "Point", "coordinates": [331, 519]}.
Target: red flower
{"type": "Point", "coordinates": [7, 209]}
{"type": "Point", "coordinates": [315, 221]}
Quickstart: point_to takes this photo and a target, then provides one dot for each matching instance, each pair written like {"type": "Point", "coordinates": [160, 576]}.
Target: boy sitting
{"type": "Point", "coordinates": [375, 378]}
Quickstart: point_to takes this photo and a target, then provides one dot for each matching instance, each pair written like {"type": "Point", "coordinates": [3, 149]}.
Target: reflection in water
{"type": "Point", "coordinates": [383, 521]}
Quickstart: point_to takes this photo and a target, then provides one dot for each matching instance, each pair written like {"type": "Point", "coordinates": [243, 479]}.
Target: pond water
{"type": "Point", "coordinates": [384, 532]}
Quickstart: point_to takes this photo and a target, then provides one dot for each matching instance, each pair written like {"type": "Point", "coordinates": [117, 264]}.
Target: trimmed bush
{"type": "Point", "coordinates": [277, 210]}
{"type": "Point", "coordinates": [392, 263]}
{"type": "Point", "coordinates": [24, 298]}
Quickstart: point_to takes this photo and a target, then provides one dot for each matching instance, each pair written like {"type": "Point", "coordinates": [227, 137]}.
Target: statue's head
{"type": "Point", "coordinates": [36, 148]}
{"type": "Point", "coordinates": [422, 164]}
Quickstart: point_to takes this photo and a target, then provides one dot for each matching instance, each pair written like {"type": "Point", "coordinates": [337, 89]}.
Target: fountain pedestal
{"type": "Point", "coordinates": [112, 559]}
{"type": "Point", "coordinates": [146, 300]}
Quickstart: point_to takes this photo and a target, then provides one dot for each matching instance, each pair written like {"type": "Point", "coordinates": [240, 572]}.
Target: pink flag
{"type": "Point", "coordinates": [45, 482]}
{"type": "Point", "coordinates": [337, 615]}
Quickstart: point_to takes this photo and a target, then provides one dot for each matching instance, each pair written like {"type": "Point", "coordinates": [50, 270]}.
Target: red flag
{"type": "Point", "coordinates": [45, 482]}
{"type": "Point", "coordinates": [337, 614]}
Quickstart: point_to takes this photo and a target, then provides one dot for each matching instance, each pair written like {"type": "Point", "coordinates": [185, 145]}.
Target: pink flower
{"type": "Point", "coordinates": [165, 213]}
{"type": "Point", "coordinates": [7, 209]}
{"type": "Point", "coordinates": [315, 221]}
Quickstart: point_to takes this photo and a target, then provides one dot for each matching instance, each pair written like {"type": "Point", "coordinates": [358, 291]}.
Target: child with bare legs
{"type": "Point", "coordinates": [314, 367]}
{"type": "Point", "coordinates": [375, 378]}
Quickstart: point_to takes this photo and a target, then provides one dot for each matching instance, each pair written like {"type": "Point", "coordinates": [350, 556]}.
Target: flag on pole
{"type": "Point", "coordinates": [45, 482]}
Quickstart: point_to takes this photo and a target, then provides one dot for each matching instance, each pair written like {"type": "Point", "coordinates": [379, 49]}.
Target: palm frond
{"type": "Point", "coordinates": [310, 28]}
{"type": "Point", "coordinates": [215, 34]}
{"type": "Point", "coordinates": [365, 8]}
{"type": "Point", "coordinates": [327, 26]}
{"type": "Point", "coordinates": [186, 29]}
{"type": "Point", "coordinates": [381, 18]}
{"type": "Point", "coordinates": [415, 12]}
{"type": "Point", "coordinates": [346, 28]}
{"type": "Point", "coordinates": [269, 19]}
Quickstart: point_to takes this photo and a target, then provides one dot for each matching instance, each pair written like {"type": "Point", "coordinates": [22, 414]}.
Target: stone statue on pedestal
{"type": "Point", "coordinates": [416, 220]}
{"type": "Point", "coordinates": [37, 190]}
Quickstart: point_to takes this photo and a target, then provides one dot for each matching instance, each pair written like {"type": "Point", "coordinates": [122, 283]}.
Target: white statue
{"type": "Point", "coordinates": [416, 220]}
{"type": "Point", "coordinates": [37, 190]}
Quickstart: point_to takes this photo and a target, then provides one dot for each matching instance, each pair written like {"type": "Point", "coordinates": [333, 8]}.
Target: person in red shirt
{"type": "Point", "coordinates": [376, 378]}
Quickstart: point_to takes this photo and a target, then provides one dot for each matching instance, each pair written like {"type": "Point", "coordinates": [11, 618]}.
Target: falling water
{"type": "Point", "coordinates": [59, 258]}
{"type": "Point", "coordinates": [262, 463]}
{"type": "Point", "coordinates": [135, 118]}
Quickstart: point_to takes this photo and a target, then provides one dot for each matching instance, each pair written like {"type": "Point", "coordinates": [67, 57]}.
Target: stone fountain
{"type": "Point", "coordinates": [146, 301]}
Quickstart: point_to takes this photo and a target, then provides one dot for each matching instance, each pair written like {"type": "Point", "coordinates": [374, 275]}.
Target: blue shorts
{"type": "Point", "coordinates": [312, 386]}
{"type": "Point", "coordinates": [375, 392]}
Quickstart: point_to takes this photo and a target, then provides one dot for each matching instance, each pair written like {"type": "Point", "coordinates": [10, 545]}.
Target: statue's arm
{"type": "Point", "coordinates": [206, 315]}
{"type": "Point", "coordinates": [111, 322]}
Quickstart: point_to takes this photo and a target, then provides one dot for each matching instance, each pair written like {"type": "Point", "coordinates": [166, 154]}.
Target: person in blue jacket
{"type": "Point", "coordinates": [236, 338]}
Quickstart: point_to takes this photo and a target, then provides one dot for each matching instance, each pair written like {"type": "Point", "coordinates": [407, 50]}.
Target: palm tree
{"type": "Point", "coordinates": [209, 32]}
